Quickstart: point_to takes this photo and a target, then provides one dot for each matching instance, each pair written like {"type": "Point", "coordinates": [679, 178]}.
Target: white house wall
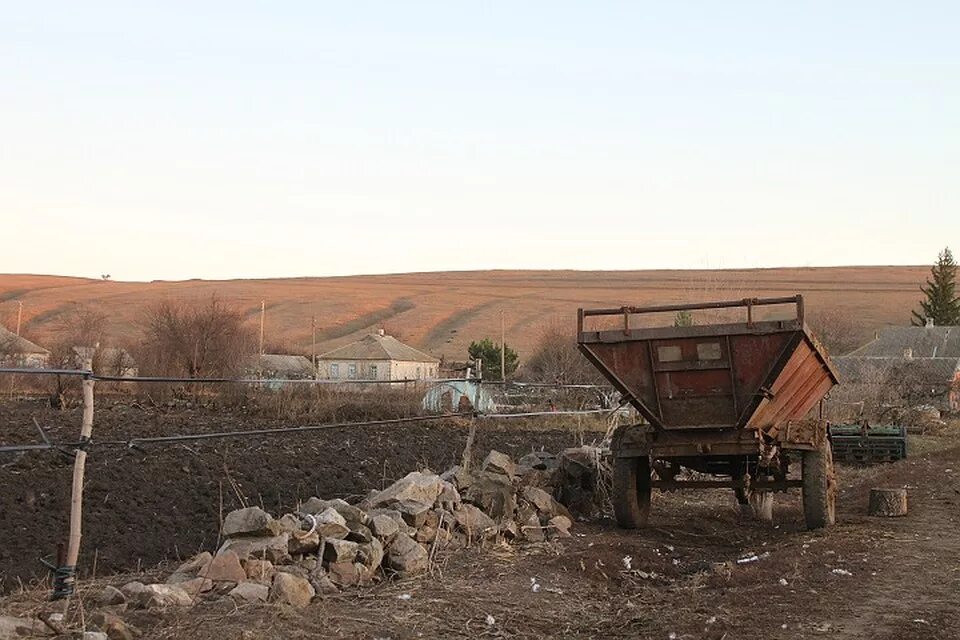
{"type": "Point", "coordinates": [376, 370]}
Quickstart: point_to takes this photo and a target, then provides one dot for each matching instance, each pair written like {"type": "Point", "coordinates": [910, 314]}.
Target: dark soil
{"type": "Point", "coordinates": [142, 506]}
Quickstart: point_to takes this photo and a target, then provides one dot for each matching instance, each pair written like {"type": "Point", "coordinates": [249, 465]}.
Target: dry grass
{"type": "Point", "coordinates": [443, 312]}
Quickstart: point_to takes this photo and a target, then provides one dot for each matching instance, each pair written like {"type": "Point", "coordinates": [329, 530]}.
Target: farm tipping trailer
{"type": "Point", "coordinates": [730, 400]}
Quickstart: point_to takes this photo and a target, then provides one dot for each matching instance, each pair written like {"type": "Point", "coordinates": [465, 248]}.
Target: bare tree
{"type": "Point", "coordinates": [195, 340]}
{"type": "Point", "coordinates": [837, 330]}
{"type": "Point", "coordinates": [556, 359]}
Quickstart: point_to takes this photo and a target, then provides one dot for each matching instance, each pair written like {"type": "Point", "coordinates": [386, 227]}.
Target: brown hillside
{"type": "Point", "coordinates": [442, 312]}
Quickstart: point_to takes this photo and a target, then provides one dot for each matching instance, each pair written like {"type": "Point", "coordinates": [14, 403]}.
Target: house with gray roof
{"type": "Point", "coordinates": [912, 365]}
{"type": "Point", "coordinates": [377, 357]}
{"type": "Point", "coordinates": [913, 342]}
{"type": "Point", "coordinates": [17, 351]}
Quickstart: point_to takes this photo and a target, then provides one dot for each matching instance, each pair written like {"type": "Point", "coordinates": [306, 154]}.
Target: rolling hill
{"type": "Point", "coordinates": [442, 312]}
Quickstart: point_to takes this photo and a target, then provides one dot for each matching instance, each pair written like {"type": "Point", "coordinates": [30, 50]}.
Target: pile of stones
{"type": "Point", "coordinates": [329, 545]}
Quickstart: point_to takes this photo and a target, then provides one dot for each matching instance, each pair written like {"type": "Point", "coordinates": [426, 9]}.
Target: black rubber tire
{"type": "Point", "coordinates": [819, 487]}
{"type": "Point", "coordinates": [631, 491]}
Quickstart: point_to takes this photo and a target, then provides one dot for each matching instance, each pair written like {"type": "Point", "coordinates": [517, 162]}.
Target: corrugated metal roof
{"type": "Point", "coordinates": [12, 343]}
{"type": "Point", "coordinates": [923, 342]}
{"type": "Point", "coordinates": [285, 365]}
{"type": "Point", "coordinates": [880, 370]}
{"type": "Point", "coordinates": [378, 347]}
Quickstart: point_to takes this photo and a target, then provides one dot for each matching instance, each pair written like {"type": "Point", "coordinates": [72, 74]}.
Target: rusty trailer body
{"type": "Point", "coordinates": [731, 399]}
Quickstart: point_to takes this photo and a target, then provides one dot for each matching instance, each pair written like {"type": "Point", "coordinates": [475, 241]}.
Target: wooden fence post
{"type": "Point", "coordinates": [66, 576]}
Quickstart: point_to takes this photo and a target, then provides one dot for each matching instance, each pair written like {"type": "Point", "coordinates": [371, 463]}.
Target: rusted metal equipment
{"type": "Point", "coordinates": [864, 443]}
{"type": "Point", "coordinates": [730, 400]}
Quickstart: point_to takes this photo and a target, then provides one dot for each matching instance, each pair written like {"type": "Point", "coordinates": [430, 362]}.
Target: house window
{"type": "Point", "coordinates": [334, 370]}
{"type": "Point", "coordinates": [352, 371]}
{"type": "Point", "coordinates": [373, 372]}
{"type": "Point", "coordinates": [418, 373]}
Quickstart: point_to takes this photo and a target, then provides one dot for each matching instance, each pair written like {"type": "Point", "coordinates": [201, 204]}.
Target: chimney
{"type": "Point", "coordinates": [908, 353]}
{"type": "Point", "coordinates": [380, 332]}
{"type": "Point", "coordinates": [929, 322]}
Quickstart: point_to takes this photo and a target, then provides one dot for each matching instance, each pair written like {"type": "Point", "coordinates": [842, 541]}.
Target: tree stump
{"type": "Point", "coordinates": [888, 502]}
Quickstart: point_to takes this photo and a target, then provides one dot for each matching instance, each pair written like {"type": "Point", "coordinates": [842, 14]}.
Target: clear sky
{"type": "Point", "coordinates": [246, 139]}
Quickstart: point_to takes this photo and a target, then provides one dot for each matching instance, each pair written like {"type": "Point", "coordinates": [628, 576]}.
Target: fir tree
{"type": "Point", "coordinates": [941, 304]}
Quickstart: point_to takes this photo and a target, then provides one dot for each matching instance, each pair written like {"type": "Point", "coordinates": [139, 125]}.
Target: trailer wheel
{"type": "Point", "coordinates": [819, 487]}
{"type": "Point", "coordinates": [631, 491]}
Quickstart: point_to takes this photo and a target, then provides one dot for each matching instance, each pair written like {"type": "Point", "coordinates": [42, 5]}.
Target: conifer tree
{"type": "Point", "coordinates": [941, 304]}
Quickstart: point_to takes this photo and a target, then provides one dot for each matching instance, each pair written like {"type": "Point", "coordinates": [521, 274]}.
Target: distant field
{"type": "Point", "coordinates": [442, 312]}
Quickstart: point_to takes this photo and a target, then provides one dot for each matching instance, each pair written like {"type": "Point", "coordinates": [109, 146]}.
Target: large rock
{"type": "Point", "coordinates": [449, 497]}
{"type": "Point", "coordinates": [540, 460]}
{"type": "Point", "coordinates": [198, 585]}
{"type": "Point", "coordinates": [405, 557]}
{"type": "Point", "coordinates": [495, 495]}
{"type": "Point", "coordinates": [415, 486]}
{"type": "Point", "coordinates": [250, 592]}
{"type": "Point", "coordinates": [359, 533]}
{"type": "Point", "coordinates": [458, 477]}
{"type": "Point", "coordinates": [156, 595]}
{"type": "Point", "coordinates": [384, 527]}
{"type": "Point", "coordinates": [110, 596]}
{"type": "Point", "coordinates": [259, 570]}
{"type": "Point", "coordinates": [339, 550]}
{"type": "Point", "coordinates": [344, 574]}
{"type": "Point", "coordinates": [13, 627]}
{"type": "Point", "coordinates": [225, 567]}
{"type": "Point", "coordinates": [500, 463]}
{"type": "Point", "coordinates": [413, 513]}
{"type": "Point", "coordinates": [349, 512]}
{"type": "Point", "coordinates": [289, 523]}
{"type": "Point", "coordinates": [532, 530]}
{"type": "Point", "coordinates": [473, 521]}
{"type": "Point", "coordinates": [292, 590]}
{"type": "Point", "coordinates": [330, 524]}
{"type": "Point", "coordinates": [195, 564]}
{"type": "Point", "coordinates": [560, 525]}
{"type": "Point", "coordinates": [272, 548]}
{"type": "Point", "coordinates": [545, 503]}
{"type": "Point", "coordinates": [371, 554]}
{"type": "Point", "coordinates": [302, 542]}
{"type": "Point", "coordinates": [114, 626]}
{"type": "Point", "coordinates": [252, 521]}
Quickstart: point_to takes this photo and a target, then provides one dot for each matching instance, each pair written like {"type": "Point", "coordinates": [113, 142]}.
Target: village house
{"type": "Point", "coordinates": [17, 351]}
{"type": "Point", "coordinates": [909, 365]}
{"type": "Point", "coordinates": [377, 357]}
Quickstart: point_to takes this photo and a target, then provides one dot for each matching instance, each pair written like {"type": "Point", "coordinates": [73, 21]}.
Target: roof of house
{"type": "Point", "coordinates": [378, 347]}
{"type": "Point", "coordinates": [12, 343]}
{"type": "Point", "coordinates": [284, 364]}
{"type": "Point", "coordinates": [881, 370]}
{"type": "Point", "coordinates": [922, 342]}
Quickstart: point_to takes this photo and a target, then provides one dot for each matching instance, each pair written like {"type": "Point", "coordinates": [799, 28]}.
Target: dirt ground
{"type": "Point", "coordinates": [163, 502]}
{"type": "Point", "coordinates": [883, 579]}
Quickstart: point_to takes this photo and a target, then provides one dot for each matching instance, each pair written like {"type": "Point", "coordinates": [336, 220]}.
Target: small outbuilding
{"type": "Point", "coordinates": [278, 366]}
{"type": "Point", "coordinates": [377, 357]}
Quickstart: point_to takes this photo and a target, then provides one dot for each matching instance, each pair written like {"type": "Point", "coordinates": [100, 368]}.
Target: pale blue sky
{"type": "Point", "coordinates": [240, 139]}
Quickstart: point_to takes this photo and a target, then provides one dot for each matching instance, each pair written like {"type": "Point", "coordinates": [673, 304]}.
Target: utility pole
{"type": "Point", "coordinates": [263, 311]}
{"type": "Point", "coordinates": [313, 349]}
{"type": "Point", "coordinates": [19, 315]}
{"type": "Point", "coordinates": [503, 350]}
